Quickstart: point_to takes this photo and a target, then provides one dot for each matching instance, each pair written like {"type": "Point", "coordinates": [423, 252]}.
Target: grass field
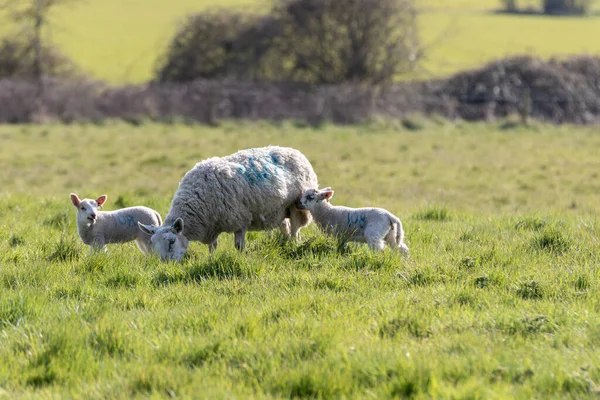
{"type": "Point", "coordinates": [120, 40]}
{"type": "Point", "coordinates": [497, 300]}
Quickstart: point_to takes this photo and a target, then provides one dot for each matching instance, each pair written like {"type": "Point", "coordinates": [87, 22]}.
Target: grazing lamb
{"type": "Point", "coordinates": [253, 189]}
{"type": "Point", "coordinates": [98, 228]}
{"type": "Point", "coordinates": [370, 225]}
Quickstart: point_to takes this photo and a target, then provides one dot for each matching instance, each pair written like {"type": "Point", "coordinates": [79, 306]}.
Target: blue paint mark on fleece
{"type": "Point", "coordinates": [357, 220]}
{"type": "Point", "coordinates": [127, 220]}
{"type": "Point", "coordinates": [261, 169]}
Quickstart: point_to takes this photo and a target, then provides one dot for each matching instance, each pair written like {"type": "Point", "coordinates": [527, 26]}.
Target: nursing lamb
{"type": "Point", "coordinates": [370, 225]}
{"type": "Point", "coordinates": [253, 189]}
{"type": "Point", "coordinates": [98, 228]}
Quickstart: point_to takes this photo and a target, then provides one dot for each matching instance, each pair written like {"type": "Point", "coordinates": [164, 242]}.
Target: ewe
{"type": "Point", "coordinates": [370, 225]}
{"type": "Point", "coordinates": [253, 189]}
{"type": "Point", "coordinates": [98, 228]}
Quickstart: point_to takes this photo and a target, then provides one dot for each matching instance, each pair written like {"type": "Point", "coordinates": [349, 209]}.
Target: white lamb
{"type": "Point", "coordinates": [253, 189]}
{"type": "Point", "coordinates": [98, 228]}
{"type": "Point", "coordinates": [370, 225]}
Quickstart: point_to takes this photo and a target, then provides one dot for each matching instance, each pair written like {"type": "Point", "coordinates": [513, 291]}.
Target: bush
{"type": "Point", "coordinates": [217, 44]}
{"type": "Point", "coordinates": [557, 90]}
{"type": "Point", "coordinates": [17, 60]}
{"type": "Point", "coordinates": [308, 41]}
{"type": "Point", "coordinates": [566, 7]}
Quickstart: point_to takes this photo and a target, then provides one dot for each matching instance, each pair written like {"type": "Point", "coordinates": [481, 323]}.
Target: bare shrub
{"type": "Point", "coordinates": [18, 60]}
{"type": "Point", "coordinates": [556, 90]}
{"type": "Point", "coordinates": [309, 41]}
{"type": "Point", "coordinates": [566, 7]}
{"type": "Point", "coordinates": [216, 44]}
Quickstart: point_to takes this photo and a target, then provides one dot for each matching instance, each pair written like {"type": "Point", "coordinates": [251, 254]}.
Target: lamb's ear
{"type": "Point", "coordinates": [100, 200]}
{"type": "Point", "coordinates": [149, 229]}
{"type": "Point", "coordinates": [75, 199]}
{"type": "Point", "coordinates": [178, 226]}
{"type": "Point", "coordinates": [326, 194]}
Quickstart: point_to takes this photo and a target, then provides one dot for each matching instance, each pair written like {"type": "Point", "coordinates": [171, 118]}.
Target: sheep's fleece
{"type": "Point", "coordinates": [253, 189]}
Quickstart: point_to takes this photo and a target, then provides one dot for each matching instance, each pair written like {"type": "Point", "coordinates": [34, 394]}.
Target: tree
{"type": "Point", "coordinates": [28, 52]}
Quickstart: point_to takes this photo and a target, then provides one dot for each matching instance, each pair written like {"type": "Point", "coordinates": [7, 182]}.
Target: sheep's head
{"type": "Point", "coordinates": [311, 197]}
{"type": "Point", "coordinates": [168, 241]}
{"type": "Point", "coordinates": [87, 208]}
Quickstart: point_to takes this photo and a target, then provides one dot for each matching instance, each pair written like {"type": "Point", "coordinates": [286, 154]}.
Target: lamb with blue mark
{"type": "Point", "coordinates": [99, 228]}
{"type": "Point", "coordinates": [375, 226]}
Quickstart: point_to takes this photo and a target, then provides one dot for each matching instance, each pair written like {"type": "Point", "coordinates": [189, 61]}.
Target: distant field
{"type": "Point", "coordinates": [497, 300]}
{"type": "Point", "coordinates": [464, 40]}
{"type": "Point", "coordinates": [120, 40]}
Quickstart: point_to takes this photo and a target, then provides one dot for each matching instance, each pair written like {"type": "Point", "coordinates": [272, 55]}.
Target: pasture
{"type": "Point", "coordinates": [497, 300]}
{"type": "Point", "coordinates": [120, 40]}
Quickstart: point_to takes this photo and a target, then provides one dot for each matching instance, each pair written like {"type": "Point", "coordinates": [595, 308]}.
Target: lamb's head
{"type": "Point", "coordinates": [87, 209]}
{"type": "Point", "coordinates": [312, 197]}
{"type": "Point", "coordinates": [168, 240]}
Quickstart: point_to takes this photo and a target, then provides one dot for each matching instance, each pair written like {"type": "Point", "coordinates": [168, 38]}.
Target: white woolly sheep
{"type": "Point", "coordinates": [370, 225]}
{"type": "Point", "coordinates": [99, 228]}
{"type": "Point", "coordinates": [253, 189]}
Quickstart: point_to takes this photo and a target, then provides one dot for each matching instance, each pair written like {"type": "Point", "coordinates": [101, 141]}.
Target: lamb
{"type": "Point", "coordinates": [370, 225]}
{"type": "Point", "coordinates": [98, 228]}
{"type": "Point", "coordinates": [251, 190]}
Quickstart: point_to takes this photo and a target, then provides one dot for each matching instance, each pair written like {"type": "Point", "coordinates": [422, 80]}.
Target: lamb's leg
{"type": "Point", "coordinates": [392, 239]}
{"type": "Point", "coordinates": [374, 239]}
{"type": "Point", "coordinates": [213, 245]}
{"type": "Point", "coordinates": [403, 248]}
{"type": "Point", "coordinates": [144, 246]}
{"type": "Point", "coordinates": [284, 228]}
{"type": "Point", "coordinates": [240, 239]}
{"type": "Point", "coordinates": [97, 246]}
{"type": "Point", "coordinates": [298, 219]}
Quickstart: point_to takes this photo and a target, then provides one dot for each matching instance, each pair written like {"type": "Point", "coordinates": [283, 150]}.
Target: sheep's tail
{"type": "Point", "coordinates": [398, 234]}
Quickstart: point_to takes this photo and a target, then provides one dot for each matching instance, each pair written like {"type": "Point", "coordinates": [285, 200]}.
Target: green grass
{"type": "Point", "coordinates": [120, 40]}
{"type": "Point", "coordinates": [498, 298]}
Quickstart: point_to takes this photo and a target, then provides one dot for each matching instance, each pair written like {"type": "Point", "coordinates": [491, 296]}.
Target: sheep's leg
{"type": "Point", "coordinates": [240, 239]}
{"type": "Point", "coordinates": [213, 245]}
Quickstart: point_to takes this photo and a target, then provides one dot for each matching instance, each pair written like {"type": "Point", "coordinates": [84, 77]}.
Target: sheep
{"type": "Point", "coordinates": [370, 225]}
{"type": "Point", "coordinates": [98, 228]}
{"type": "Point", "coordinates": [250, 190]}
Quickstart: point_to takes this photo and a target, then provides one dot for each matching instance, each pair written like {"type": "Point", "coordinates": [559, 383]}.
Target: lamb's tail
{"type": "Point", "coordinates": [399, 234]}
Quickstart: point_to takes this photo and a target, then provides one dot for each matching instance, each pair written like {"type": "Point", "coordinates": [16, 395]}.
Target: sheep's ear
{"type": "Point", "coordinates": [149, 229]}
{"type": "Point", "coordinates": [326, 194]}
{"type": "Point", "coordinates": [178, 225]}
{"type": "Point", "coordinates": [75, 199]}
{"type": "Point", "coordinates": [100, 200]}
